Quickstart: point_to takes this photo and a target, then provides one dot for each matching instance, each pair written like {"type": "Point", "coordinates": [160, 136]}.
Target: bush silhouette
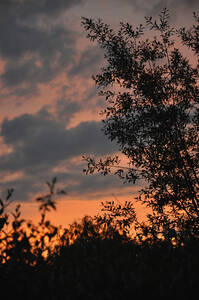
{"type": "Point", "coordinates": [94, 258]}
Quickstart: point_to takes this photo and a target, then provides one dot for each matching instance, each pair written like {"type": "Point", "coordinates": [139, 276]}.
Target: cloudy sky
{"type": "Point", "coordinates": [49, 103]}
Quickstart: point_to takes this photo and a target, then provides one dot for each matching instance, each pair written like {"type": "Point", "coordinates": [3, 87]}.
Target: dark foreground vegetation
{"type": "Point", "coordinates": [97, 258]}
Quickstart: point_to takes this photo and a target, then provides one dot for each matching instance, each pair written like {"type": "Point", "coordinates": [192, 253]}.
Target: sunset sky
{"type": "Point", "coordinates": [49, 103]}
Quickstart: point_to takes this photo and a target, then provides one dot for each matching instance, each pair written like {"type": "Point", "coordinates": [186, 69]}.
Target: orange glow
{"type": "Point", "coordinates": [2, 66]}
{"type": "Point", "coordinates": [4, 149]}
{"type": "Point", "coordinates": [67, 211]}
{"type": "Point", "coordinates": [70, 210]}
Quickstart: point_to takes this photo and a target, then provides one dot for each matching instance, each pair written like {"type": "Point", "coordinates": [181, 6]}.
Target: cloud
{"type": "Point", "coordinates": [66, 109]}
{"type": "Point", "coordinates": [96, 184]}
{"type": "Point", "coordinates": [32, 7]}
{"type": "Point", "coordinates": [46, 54]}
{"type": "Point", "coordinates": [88, 63]}
{"type": "Point", "coordinates": [34, 45]}
{"type": "Point", "coordinates": [72, 180]}
{"type": "Point", "coordinates": [154, 7]}
{"type": "Point", "coordinates": [39, 142]}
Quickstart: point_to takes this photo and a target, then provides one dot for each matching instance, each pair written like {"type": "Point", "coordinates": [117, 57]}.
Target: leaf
{"type": "Point", "coordinates": [61, 192]}
{"type": "Point", "coordinates": [54, 180]}
{"type": "Point", "coordinates": [1, 202]}
{"type": "Point", "coordinates": [2, 222]}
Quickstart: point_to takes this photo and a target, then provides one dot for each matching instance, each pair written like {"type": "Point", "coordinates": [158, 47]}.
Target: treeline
{"type": "Point", "coordinates": [109, 256]}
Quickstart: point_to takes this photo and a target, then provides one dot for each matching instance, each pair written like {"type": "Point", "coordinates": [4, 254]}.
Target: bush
{"type": "Point", "coordinates": [95, 258]}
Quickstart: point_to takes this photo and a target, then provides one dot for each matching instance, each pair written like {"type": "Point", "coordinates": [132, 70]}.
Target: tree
{"type": "Point", "coordinates": [152, 112]}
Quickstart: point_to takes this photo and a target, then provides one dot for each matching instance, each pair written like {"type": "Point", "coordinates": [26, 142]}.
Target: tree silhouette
{"type": "Point", "coordinates": [152, 112]}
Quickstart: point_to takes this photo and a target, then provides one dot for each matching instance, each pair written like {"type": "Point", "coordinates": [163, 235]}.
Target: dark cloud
{"type": "Point", "coordinates": [66, 109]}
{"type": "Point", "coordinates": [26, 8]}
{"type": "Point", "coordinates": [34, 45]}
{"type": "Point", "coordinates": [73, 181]}
{"type": "Point", "coordinates": [46, 53]}
{"type": "Point", "coordinates": [88, 63]}
{"type": "Point", "coordinates": [40, 142]}
{"type": "Point", "coordinates": [154, 7]}
{"type": "Point", "coordinates": [88, 185]}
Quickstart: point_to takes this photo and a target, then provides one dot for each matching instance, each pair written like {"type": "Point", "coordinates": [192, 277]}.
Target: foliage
{"type": "Point", "coordinates": [23, 242]}
{"type": "Point", "coordinates": [152, 112]}
{"type": "Point", "coordinates": [95, 258]}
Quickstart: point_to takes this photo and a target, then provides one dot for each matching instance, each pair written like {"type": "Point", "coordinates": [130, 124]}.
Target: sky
{"type": "Point", "coordinates": [50, 107]}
